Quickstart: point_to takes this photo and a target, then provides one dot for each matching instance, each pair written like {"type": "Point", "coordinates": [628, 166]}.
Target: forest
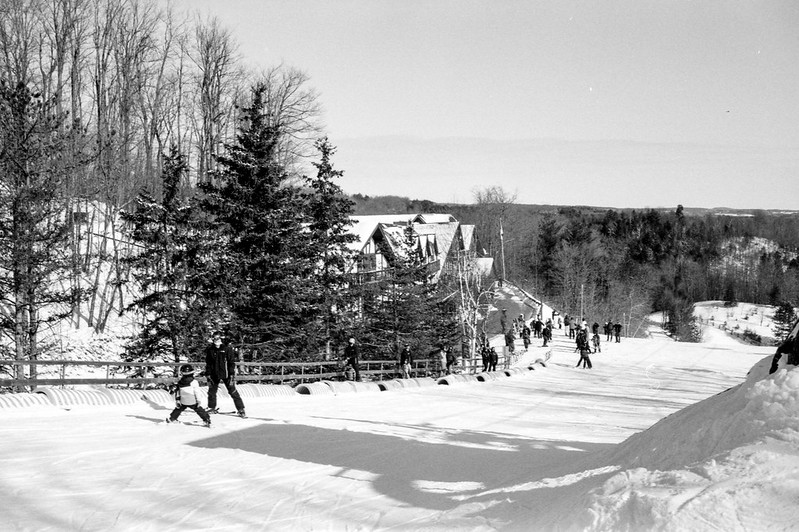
{"type": "Point", "coordinates": [623, 264]}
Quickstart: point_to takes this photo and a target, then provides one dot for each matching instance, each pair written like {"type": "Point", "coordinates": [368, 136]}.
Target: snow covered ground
{"type": "Point", "coordinates": [557, 448]}
{"type": "Point", "coordinates": [757, 319]}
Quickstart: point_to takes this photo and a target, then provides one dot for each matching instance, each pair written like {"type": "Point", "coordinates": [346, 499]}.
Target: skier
{"type": "Point", "coordinates": [220, 367]}
{"type": "Point", "coordinates": [546, 334]}
{"type": "Point", "coordinates": [584, 349]}
{"type": "Point", "coordinates": [187, 396]}
{"type": "Point", "coordinates": [405, 362]}
{"type": "Point", "coordinates": [526, 336]}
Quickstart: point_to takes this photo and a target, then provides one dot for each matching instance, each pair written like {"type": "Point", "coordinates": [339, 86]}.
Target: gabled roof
{"type": "Point", "coordinates": [364, 227]}
{"type": "Point", "coordinates": [444, 234]}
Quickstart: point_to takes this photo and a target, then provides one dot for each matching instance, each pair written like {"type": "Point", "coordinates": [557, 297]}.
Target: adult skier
{"type": "Point", "coordinates": [220, 367]}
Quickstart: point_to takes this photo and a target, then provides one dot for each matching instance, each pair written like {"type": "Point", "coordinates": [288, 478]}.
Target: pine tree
{"type": "Point", "coordinates": [329, 213]}
{"type": "Point", "coordinates": [261, 261]}
{"type": "Point", "coordinates": [36, 163]}
{"type": "Point", "coordinates": [166, 242]}
{"type": "Point", "coordinates": [784, 319]}
{"type": "Point", "coordinates": [404, 306]}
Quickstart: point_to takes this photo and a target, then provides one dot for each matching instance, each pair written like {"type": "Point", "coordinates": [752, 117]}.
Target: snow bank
{"type": "Point", "coordinates": [730, 460]}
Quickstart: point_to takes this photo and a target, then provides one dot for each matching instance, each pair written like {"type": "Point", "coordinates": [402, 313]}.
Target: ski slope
{"type": "Point", "coordinates": [557, 448]}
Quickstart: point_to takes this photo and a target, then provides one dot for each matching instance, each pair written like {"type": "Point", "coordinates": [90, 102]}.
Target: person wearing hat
{"type": "Point", "coordinates": [187, 396]}
{"type": "Point", "coordinates": [220, 367]}
{"type": "Point", "coordinates": [405, 362]}
{"type": "Point", "coordinates": [351, 357]}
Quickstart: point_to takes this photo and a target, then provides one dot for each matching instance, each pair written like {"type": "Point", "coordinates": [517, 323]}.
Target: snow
{"type": "Point", "coordinates": [659, 435]}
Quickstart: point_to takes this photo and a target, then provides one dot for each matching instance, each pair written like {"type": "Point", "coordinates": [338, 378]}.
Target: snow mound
{"type": "Point", "coordinates": [726, 463]}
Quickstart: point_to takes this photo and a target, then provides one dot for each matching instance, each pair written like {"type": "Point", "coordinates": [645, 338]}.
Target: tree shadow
{"type": "Point", "coordinates": [442, 473]}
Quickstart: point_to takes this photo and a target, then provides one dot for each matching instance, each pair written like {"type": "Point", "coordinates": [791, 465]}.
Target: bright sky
{"type": "Point", "coordinates": [699, 99]}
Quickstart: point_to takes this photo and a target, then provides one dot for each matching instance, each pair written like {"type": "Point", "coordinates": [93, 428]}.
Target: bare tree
{"type": "Point", "coordinates": [292, 106]}
{"type": "Point", "coordinates": [218, 75]}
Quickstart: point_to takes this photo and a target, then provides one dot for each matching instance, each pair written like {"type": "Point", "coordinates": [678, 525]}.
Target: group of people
{"type": "Point", "coordinates": [220, 360]}
{"type": "Point", "coordinates": [489, 355]}
{"type": "Point", "coordinates": [580, 332]}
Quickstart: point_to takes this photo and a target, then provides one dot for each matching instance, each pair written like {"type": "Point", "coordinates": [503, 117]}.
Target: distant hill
{"type": "Point", "coordinates": [365, 204]}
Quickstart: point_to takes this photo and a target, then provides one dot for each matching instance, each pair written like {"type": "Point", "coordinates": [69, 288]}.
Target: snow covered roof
{"type": "Point", "coordinates": [444, 234]}
{"type": "Point", "coordinates": [467, 234]}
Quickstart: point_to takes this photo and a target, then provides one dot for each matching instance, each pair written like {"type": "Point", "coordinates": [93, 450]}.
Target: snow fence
{"type": "Point", "coordinates": [253, 391]}
{"type": "Point", "coordinates": [24, 400]}
{"type": "Point", "coordinates": [449, 380]}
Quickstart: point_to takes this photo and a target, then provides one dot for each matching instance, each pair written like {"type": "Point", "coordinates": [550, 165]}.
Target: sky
{"type": "Point", "coordinates": [624, 103]}
{"type": "Point", "coordinates": [659, 435]}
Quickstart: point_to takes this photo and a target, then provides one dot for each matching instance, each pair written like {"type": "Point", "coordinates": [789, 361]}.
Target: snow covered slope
{"type": "Point", "coordinates": [659, 435]}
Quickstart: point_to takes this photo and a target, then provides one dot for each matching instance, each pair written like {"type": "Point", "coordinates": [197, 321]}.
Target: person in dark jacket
{"type": "Point", "coordinates": [493, 359]}
{"type": "Point", "coordinates": [351, 358]}
{"type": "Point", "coordinates": [790, 347]}
{"type": "Point", "coordinates": [546, 334]}
{"type": "Point", "coordinates": [584, 349]}
{"type": "Point", "coordinates": [617, 331]}
{"type": "Point", "coordinates": [220, 367]}
{"type": "Point", "coordinates": [406, 361]}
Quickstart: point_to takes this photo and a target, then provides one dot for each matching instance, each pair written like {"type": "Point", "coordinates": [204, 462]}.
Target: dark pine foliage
{"type": "Point", "coordinates": [262, 259]}
{"type": "Point", "coordinates": [166, 248]}
{"type": "Point", "coordinates": [404, 306]}
{"type": "Point", "coordinates": [37, 161]}
{"type": "Point", "coordinates": [329, 243]}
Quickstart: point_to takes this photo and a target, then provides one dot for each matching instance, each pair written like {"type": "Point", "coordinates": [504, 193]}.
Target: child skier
{"type": "Point", "coordinates": [187, 396]}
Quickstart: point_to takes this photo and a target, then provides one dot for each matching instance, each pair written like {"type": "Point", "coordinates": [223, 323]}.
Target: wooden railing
{"type": "Point", "coordinates": [158, 374]}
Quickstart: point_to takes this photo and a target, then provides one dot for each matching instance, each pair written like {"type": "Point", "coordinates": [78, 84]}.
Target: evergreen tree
{"type": "Point", "coordinates": [329, 213]}
{"type": "Point", "coordinates": [784, 318]}
{"type": "Point", "coordinates": [166, 242]}
{"type": "Point", "coordinates": [260, 262]}
{"type": "Point", "coordinates": [36, 164]}
{"type": "Point", "coordinates": [404, 306]}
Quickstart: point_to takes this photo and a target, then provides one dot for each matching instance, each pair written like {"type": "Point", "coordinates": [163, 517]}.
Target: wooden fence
{"type": "Point", "coordinates": [161, 374]}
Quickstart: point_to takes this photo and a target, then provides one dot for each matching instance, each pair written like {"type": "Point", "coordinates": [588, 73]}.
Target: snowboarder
{"type": "Point", "coordinates": [187, 396]}
{"type": "Point", "coordinates": [220, 367]}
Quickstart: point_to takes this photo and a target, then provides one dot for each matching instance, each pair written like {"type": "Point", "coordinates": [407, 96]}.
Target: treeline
{"type": "Point", "coordinates": [623, 264]}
